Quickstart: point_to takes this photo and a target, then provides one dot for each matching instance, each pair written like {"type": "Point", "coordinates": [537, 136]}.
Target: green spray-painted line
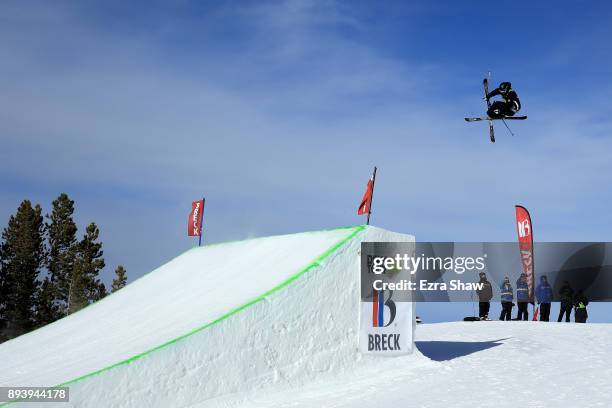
{"type": "Point", "coordinates": [110, 295]}
{"type": "Point", "coordinates": [312, 265]}
{"type": "Point", "coordinates": [317, 262]}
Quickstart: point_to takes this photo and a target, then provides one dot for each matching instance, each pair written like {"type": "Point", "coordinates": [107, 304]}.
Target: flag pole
{"type": "Point", "coordinates": [372, 197]}
{"type": "Point", "coordinates": [202, 221]}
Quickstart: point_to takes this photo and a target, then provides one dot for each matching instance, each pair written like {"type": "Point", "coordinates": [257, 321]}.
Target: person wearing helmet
{"type": "Point", "coordinates": [510, 104]}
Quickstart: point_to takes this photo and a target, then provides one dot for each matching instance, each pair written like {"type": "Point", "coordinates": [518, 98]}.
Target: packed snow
{"type": "Point", "coordinates": [469, 364]}
{"type": "Point", "coordinates": [273, 322]}
{"type": "Point", "coordinates": [218, 320]}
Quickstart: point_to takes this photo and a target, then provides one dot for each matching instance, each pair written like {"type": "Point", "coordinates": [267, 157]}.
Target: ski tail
{"type": "Point", "coordinates": [485, 83]}
{"type": "Point", "coordinates": [481, 118]}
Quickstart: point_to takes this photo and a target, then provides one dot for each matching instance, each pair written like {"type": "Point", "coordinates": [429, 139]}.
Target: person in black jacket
{"type": "Point", "coordinates": [580, 310]}
{"type": "Point", "coordinates": [485, 294]}
{"type": "Point", "coordinates": [566, 294]}
{"type": "Point", "coordinates": [510, 104]}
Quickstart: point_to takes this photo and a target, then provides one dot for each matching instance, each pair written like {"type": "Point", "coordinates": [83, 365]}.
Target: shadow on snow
{"type": "Point", "coordinates": [448, 350]}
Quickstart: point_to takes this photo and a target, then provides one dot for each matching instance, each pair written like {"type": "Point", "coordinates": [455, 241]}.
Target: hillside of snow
{"type": "Point", "coordinates": [217, 320]}
{"type": "Point", "coordinates": [273, 322]}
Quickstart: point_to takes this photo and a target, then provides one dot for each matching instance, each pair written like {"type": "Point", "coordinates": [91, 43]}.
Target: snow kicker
{"type": "Point", "coordinates": [220, 319]}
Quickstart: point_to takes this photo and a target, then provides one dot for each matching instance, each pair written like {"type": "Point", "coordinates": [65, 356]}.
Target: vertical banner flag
{"type": "Point", "coordinates": [364, 207]}
{"type": "Point", "coordinates": [525, 238]}
{"type": "Point", "coordinates": [366, 202]}
{"type": "Point", "coordinates": [194, 224]}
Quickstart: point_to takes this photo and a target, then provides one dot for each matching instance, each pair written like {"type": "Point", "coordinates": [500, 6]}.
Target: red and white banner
{"type": "Point", "coordinates": [524, 229]}
{"type": "Point", "coordinates": [194, 224]}
{"type": "Point", "coordinates": [366, 201]}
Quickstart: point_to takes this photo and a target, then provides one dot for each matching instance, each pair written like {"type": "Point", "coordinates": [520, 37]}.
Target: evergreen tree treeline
{"type": "Point", "coordinates": [45, 272]}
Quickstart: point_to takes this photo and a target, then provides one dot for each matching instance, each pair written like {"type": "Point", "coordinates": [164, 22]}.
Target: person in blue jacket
{"type": "Point", "coordinates": [507, 296]}
{"type": "Point", "coordinates": [522, 297]}
{"type": "Point", "coordinates": [544, 295]}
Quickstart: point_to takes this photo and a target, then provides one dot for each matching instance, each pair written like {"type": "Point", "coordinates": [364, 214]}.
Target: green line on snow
{"type": "Point", "coordinates": [317, 262]}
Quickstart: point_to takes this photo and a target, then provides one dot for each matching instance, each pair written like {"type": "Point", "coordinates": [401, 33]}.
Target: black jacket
{"type": "Point", "coordinates": [566, 294]}
{"type": "Point", "coordinates": [509, 96]}
{"type": "Point", "coordinates": [580, 298]}
{"type": "Point", "coordinates": [486, 293]}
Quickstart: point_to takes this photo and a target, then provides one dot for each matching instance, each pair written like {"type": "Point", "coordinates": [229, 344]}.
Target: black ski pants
{"type": "Point", "coordinates": [523, 311]}
{"type": "Point", "coordinates": [499, 109]}
{"type": "Point", "coordinates": [544, 312]}
{"type": "Point", "coordinates": [483, 309]}
{"type": "Point", "coordinates": [506, 313]}
{"type": "Point", "coordinates": [566, 308]}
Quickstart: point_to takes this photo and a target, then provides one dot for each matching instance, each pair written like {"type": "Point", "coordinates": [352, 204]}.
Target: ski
{"type": "Point", "coordinates": [485, 83]}
{"type": "Point", "coordinates": [488, 118]}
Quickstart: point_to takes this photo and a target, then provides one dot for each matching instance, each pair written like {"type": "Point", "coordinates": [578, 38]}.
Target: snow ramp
{"type": "Point", "coordinates": [217, 320]}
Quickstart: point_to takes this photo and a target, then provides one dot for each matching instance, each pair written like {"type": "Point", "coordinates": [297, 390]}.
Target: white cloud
{"type": "Point", "coordinates": [280, 132]}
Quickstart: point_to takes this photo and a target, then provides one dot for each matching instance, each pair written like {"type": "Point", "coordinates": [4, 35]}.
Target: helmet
{"type": "Point", "coordinates": [505, 86]}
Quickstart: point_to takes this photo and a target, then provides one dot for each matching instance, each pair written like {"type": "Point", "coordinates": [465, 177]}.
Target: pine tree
{"type": "Point", "coordinates": [120, 278]}
{"type": "Point", "coordinates": [47, 309]}
{"type": "Point", "coordinates": [61, 231]}
{"type": "Point", "coordinates": [85, 286]}
{"type": "Point", "coordinates": [22, 258]}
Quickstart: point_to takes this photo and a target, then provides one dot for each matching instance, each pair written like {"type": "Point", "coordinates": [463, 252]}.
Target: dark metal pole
{"type": "Point", "coordinates": [202, 221]}
{"type": "Point", "coordinates": [372, 196]}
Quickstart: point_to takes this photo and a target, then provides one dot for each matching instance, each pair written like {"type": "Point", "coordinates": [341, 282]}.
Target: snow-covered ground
{"type": "Point", "coordinates": [273, 322]}
{"type": "Point", "coordinates": [463, 364]}
{"type": "Point", "coordinates": [216, 320]}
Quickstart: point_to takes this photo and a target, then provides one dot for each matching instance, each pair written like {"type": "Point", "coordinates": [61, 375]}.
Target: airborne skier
{"type": "Point", "coordinates": [499, 110]}
{"type": "Point", "coordinates": [506, 108]}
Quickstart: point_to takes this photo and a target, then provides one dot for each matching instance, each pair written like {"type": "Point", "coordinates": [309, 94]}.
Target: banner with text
{"type": "Point", "coordinates": [393, 273]}
{"type": "Point", "coordinates": [194, 223]}
{"type": "Point", "coordinates": [387, 318]}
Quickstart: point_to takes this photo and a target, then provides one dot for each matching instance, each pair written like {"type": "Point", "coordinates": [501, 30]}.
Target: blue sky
{"type": "Point", "coordinates": [277, 111]}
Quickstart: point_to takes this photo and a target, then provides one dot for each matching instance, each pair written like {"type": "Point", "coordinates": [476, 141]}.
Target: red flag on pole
{"type": "Point", "coordinates": [524, 228]}
{"type": "Point", "coordinates": [194, 224]}
{"type": "Point", "coordinates": [366, 201]}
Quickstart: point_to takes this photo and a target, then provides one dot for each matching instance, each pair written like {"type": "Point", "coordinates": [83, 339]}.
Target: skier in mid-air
{"type": "Point", "coordinates": [506, 108]}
